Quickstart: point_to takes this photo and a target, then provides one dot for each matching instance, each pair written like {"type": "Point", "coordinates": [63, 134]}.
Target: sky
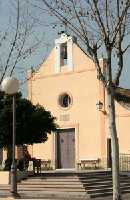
{"type": "Point", "coordinates": [46, 34]}
{"type": "Point", "coordinates": [8, 23]}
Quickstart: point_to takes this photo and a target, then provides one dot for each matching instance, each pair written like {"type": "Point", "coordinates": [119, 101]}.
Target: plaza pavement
{"type": "Point", "coordinates": [124, 197]}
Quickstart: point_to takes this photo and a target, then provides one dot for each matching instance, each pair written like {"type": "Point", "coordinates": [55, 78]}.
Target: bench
{"type": "Point", "coordinates": [37, 165]}
{"type": "Point", "coordinates": [88, 163]}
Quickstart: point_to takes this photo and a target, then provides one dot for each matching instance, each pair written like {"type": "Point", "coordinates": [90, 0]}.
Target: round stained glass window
{"type": "Point", "coordinates": [65, 100]}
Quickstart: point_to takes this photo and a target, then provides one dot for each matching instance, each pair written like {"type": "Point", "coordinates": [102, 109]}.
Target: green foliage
{"type": "Point", "coordinates": [33, 122]}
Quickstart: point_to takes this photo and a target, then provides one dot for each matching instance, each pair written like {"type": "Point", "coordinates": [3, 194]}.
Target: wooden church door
{"type": "Point", "coordinates": [66, 148]}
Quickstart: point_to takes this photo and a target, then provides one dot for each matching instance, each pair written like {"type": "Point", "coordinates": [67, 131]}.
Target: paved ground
{"type": "Point", "coordinates": [124, 197]}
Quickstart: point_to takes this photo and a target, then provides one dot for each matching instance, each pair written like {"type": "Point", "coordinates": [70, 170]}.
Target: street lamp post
{"type": "Point", "coordinates": [10, 86]}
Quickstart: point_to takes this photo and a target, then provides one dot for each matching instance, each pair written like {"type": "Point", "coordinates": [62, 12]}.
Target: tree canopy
{"type": "Point", "coordinates": [33, 122]}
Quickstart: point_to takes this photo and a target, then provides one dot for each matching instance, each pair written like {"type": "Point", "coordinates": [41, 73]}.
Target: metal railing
{"type": "Point", "coordinates": [124, 163]}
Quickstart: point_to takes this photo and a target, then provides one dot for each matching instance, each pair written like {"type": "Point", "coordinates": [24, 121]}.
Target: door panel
{"type": "Point", "coordinates": [66, 148]}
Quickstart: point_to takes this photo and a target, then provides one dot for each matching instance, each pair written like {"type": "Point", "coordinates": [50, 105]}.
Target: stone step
{"type": "Point", "coordinates": [72, 173]}
{"type": "Point", "coordinates": [68, 186]}
{"type": "Point", "coordinates": [65, 189]}
{"type": "Point", "coordinates": [99, 195]}
{"type": "Point", "coordinates": [71, 177]}
{"type": "Point", "coordinates": [46, 195]}
{"type": "Point", "coordinates": [101, 177]}
{"type": "Point", "coordinates": [56, 187]}
{"type": "Point", "coordinates": [104, 186]}
{"type": "Point", "coordinates": [94, 175]}
{"type": "Point", "coordinates": [105, 193]}
{"type": "Point", "coordinates": [105, 189]}
{"type": "Point", "coordinates": [101, 186]}
{"type": "Point", "coordinates": [51, 179]}
{"type": "Point", "coordinates": [126, 190]}
{"type": "Point", "coordinates": [54, 176]}
{"type": "Point", "coordinates": [7, 187]}
{"type": "Point", "coordinates": [91, 184]}
{"type": "Point", "coordinates": [100, 180]}
{"type": "Point", "coordinates": [52, 183]}
{"type": "Point", "coordinates": [95, 195]}
{"type": "Point", "coordinates": [54, 196]}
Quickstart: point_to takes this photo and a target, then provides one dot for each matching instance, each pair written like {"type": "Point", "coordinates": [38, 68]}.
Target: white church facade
{"type": "Point", "coordinates": [67, 85]}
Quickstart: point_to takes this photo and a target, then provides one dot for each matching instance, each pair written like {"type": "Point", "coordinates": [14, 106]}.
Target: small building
{"type": "Point", "coordinates": [66, 84]}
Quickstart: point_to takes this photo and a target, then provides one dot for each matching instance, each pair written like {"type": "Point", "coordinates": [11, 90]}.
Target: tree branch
{"type": "Point", "coordinates": [13, 45]}
{"type": "Point", "coordinates": [99, 21]}
{"type": "Point", "coordinates": [19, 53]}
{"type": "Point", "coordinates": [119, 23]}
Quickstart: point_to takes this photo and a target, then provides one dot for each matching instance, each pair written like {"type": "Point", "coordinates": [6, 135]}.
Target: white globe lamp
{"type": "Point", "coordinates": [10, 85]}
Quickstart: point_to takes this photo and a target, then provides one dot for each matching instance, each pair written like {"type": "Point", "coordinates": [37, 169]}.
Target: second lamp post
{"type": "Point", "coordinates": [10, 86]}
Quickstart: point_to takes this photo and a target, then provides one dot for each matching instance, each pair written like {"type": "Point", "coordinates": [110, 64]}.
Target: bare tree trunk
{"type": "Point", "coordinates": [114, 146]}
{"type": "Point", "coordinates": [113, 132]}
